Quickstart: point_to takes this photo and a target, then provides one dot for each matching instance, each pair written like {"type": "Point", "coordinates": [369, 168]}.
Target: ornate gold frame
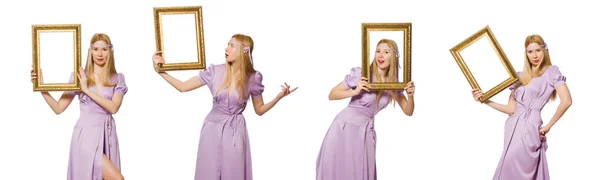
{"type": "Point", "coordinates": [486, 31]}
{"type": "Point", "coordinates": [76, 30]}
{"type": "Point", "coordinates": [197, 12]}
{"type": "Point", "coordinates": [407, 28]}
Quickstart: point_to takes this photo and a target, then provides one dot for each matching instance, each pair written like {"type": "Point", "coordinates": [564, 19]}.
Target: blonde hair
{"type": "Point", "coordinates": [243, 65]}
{"type": "Point", "coordinates": [392, 72]}
{"type": "Point", "coordinates": [109, 67]}
{"type": "Point", "coordinates": [528, 74]}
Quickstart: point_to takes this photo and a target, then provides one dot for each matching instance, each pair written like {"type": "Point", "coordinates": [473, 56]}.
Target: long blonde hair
{"type": "Point", "coordinates": [109, 66]}
{"type": "Point", "coordinates": [392, 72]}
{"type": "Point", "coordinates": [528, 74]}
{"type": "Point", "coordinates": [242, 64]}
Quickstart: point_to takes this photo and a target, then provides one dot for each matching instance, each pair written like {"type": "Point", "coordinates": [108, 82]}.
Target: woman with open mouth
{"type": "Point", "coordinates": [524, 154]}
{"type": "Point", "coordinates": [94, 150]}
{"type": "Point", "coordinates": [348, 149]}
{"type": "Point", "coordinates": [224, 150]}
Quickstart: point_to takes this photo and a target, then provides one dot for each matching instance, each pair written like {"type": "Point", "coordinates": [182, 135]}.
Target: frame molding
{"type": "Point", "coordinates": [197, 12]}
{"type": "Point", "coordinates": [455, 51]}
{"type": "Point", "coordinates": [49, 28]}
{"type": "Point", "coordinates": [366, 58]}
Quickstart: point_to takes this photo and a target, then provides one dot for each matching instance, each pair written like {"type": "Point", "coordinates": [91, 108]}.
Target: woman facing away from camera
{"type": "Point", "coordinates": [348, 150]}
{"type": "Point", "coordinates": [224, 150]}
{"type": "Point", "coordinates": [524, 154]}
{"type": "Point", "coordinates": [94, 153]}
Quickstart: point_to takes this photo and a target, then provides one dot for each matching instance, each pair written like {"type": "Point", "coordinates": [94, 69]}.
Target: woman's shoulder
{"type": "Point", "coordinates": [551, 70]}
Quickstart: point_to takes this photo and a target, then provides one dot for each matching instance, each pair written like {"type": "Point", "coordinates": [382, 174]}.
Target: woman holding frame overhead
{"type": "Point", "coordinates": [94, 150]}
{"type": "Point", "coordinates": [524, 154]}
{"type": "Point", "coordinates": [348, 150]}
{"type": "Point", "coordinates": [224, 150]}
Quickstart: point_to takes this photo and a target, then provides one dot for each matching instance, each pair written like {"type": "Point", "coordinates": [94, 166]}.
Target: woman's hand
{"type": "Point", "coordinates": [157, 59]}
{"type": "Point", "coordinates": [285, 90]}
{"type": "Point", "coordinates": [83, 80]}
{"type": "Point", "coordinates": [544, 131]}
{"type": "Point", "coordinates": [410, 89]}
{"type": "Point", "coordinates": [477, 94]}
{"type": "Point", "coordinates": [361, 85]}
{"type": "Point", "coordinates": [34, 76]}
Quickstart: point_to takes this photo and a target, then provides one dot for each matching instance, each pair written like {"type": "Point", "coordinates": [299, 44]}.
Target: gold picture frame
{"type": "Point", "coordinates": [406, 29]}
{"type": "Point", "coordinates": [49, 28]}
{"type": "Point", "coordinates": [456, 50]}
{"type": "Point", "coordinates": [197, 12]}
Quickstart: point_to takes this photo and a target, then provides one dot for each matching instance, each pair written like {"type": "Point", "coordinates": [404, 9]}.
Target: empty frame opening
{"type": "Point", "coordinates": [56, 56]}
{"type": "Point", "coordinates": [178, 33]}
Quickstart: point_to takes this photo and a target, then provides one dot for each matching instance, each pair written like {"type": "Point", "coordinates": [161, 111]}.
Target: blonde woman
{"type": "Point", "coordinates": [348, 150]}
{"type": "Point", "coordinates": [94, 150]}
{"type": "Point", "coordinates": [224, 150]}
{"type": "Point", "coordinates": [524, 155]}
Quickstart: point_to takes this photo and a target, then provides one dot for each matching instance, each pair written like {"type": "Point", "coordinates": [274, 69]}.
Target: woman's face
{"type": "Point", "coordinates": [231, 51]}
{"type": "Point", "coordinates": [383, 56]}
{"type": "Point", "coordinates": [100, 52]}
{"type": "Point", "coordinates": [535, 54]}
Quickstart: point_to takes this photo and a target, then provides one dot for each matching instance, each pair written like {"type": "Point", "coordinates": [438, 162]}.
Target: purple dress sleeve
{"type": "Point", "coordinates": [400, 92]}
{"type": "Point", "coordinates": [351, 80]}
{"type": "Point", "coordinates": [514, 85]}
{"type": "Point", "coordinates": [257, 87]}
{"type": "Point", "coordinates": [207, 75]}
{"type": "Point", "coordinates": [121, 86]}
{"type": "Point", "coordinates": [71, 80]}
{"type": "Point", "coordinates": [556, 78]}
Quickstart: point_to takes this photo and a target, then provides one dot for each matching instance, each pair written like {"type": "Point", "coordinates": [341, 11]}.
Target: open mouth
{"type": "Point", "coordinates": [380, 61]}
{"type": "Point", "coordinates": [226, 55]}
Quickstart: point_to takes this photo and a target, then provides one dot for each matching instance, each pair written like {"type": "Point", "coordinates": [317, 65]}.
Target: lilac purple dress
{"type": "Point", "coordinates": [524, 154]}
{"type": "Point", "coordinates": [94, 134]}
{"type": "Point", "coordinates": [348, 150]}
{"type": "Point", "coordinates": [224, 148]}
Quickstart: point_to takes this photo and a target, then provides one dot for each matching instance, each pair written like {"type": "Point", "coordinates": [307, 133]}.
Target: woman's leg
{"type": "Point", "coordinates": [109, 171]}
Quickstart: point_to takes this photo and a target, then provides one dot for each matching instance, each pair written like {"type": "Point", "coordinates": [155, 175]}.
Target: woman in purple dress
{"type": "Point", "coordinates": [94, 153]}
{"type": "Point", "coordinates": [348, 150]}
{"type": "Point", "coordinates": [224, 150]}
{"type": "Point", "coordinates": [524, 154]}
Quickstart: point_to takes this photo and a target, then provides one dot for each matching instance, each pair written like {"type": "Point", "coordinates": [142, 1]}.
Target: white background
{"type": "Point", "coordinates": [313, 45]}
